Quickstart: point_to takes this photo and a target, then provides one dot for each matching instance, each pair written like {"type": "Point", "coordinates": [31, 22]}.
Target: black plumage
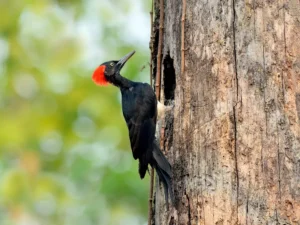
{"type": "Point", "coordinates": [139, 105]}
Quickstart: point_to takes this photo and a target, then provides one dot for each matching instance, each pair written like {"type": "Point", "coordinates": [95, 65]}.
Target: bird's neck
{"type": "Point", "coordinates": [122, 82]}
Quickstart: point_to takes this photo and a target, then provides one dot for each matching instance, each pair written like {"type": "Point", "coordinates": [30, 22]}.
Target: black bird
{"type": "Point", "coordinates": [139, 107]}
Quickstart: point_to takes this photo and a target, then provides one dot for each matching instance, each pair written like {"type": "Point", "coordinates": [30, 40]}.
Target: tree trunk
{"type": "Point", "coordinates": [233, 138]}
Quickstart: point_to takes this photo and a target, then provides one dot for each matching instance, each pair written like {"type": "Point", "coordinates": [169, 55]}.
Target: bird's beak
{"type": "Point", "coordinates": [122, 61]}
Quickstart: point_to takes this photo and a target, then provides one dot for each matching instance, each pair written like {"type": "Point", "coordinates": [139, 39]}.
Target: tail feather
{"type": "Point", "coordinates": [164, 172]}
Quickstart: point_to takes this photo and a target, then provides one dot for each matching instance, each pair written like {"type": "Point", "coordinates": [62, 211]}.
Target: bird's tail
{"type": "Point", "coordinates": [164, 172]}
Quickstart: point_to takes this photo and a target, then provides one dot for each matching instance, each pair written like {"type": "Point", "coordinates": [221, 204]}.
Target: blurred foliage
{"type": "Point", "coordinates": [64, 148]}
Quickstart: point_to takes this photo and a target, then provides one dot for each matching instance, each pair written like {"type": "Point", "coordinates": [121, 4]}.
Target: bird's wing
{"type": "Point", "coordinates": [141, 124]}
{"type": "Point", "coordinates": [141, 134]}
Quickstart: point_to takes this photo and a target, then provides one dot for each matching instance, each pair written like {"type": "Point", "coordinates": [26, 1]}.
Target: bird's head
{"type": "Point", "coordinates": [106, 72]}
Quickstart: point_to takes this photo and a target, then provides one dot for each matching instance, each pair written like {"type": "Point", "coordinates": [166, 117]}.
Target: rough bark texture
{"type": "Point", "coordinates": [233, 138]}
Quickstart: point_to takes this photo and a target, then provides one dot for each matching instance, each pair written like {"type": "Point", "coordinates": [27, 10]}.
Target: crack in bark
{"type": "Point", "coordinates": [234, 108]}
{"type": "Point", "coordinates": [248, 191]}
{"type": "Point", "coordinates": [189, 209]}
{"type": "Point", "coordinates": [282, 86]}
{"type": "Point", "coordinates": [284, 34]}
{"type": "Point", "coordinates": [236, 161]}
{"type": "Point", "coordinates": [278, 159]}
{"type": "Point", "coordinates": [276, 217]}
{"type": "Point", "coordinates": [247, 209]}
{"type": "Point", "coordinates": [278, 164]}
{"type": "Point", "coordinates": [234, 49]}
{"type": "Point", "coordinates": [171, 221]}
{"type": "Point", "coordinates": [261, 152]}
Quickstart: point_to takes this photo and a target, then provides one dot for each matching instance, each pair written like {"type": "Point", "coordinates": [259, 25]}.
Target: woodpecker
{"type": "Point", "coordinates": [139, 106]}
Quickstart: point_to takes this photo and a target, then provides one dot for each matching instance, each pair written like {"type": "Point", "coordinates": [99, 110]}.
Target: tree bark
{"type": "Point", "coordinates": [233, 138]}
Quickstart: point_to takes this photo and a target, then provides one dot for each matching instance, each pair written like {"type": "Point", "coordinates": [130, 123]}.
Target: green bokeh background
{"type": "Point", "coordinates": [64, 148]}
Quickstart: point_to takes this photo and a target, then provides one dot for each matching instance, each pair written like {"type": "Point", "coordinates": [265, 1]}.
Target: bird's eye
{"type": "Point", "coordinates": [111, 64]}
